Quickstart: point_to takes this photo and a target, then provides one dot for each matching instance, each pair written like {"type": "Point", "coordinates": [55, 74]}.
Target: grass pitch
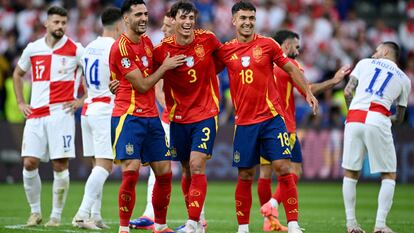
{"type": "Point", "coordinates": [321, 208]}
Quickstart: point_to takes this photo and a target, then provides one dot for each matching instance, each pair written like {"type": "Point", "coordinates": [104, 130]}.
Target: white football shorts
{"type": "Point", "coordinates": [50, 137]}
{"type": "Point", "coordinates": [96, 136]}
{"type": "Point", "coordinates": [360, 139]}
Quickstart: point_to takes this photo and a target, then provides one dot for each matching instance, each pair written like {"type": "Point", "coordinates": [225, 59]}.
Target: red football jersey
{"type": "Point", "coordinates": [191, 90]}
{"type": "Point", "coordinates": [285, 86]}
{"type": "Point", "coordinates": [125, 57]}
{"type": "Point", "coordinates": [252, 85]}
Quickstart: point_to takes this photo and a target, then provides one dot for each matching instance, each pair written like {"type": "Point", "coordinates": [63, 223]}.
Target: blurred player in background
{"type": "Point", "coordinates": [260, 130]}
{"type": "Point", "coordinates": [377, 83]}
{"type": "Point", "coordinates": [191, 96]}
{"type": "Point", "coordinates": [49, 132]}
{"type": "Point", "coordinates": [96, 119]}
{"type": "Point", "coordinates": [290, 43]}
{"type": "Point", "coordinates": [137, 134]}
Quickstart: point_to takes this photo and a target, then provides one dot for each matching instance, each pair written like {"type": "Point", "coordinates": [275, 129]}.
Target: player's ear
{"type": "Point", "coordinates": [233, 20]}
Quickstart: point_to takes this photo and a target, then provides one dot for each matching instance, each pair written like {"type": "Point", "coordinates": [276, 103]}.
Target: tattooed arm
{"type": "Point", "coordinates": [349, 90]}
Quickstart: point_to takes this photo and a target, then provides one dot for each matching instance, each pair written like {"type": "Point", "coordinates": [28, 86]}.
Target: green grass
{"type": "Point", "coordinates": [321, 208]}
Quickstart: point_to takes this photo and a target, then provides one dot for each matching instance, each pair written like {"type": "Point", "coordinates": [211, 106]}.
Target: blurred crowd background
{"type": "Point", "coordinates": [333, 33]}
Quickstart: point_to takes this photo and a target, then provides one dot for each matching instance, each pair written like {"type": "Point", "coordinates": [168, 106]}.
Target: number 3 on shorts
{"type": "Point", "coordinates": [206, 132]}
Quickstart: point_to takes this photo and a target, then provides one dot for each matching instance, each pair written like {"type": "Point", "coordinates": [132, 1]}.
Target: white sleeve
{"type": "Point", "coordinates": [24, 60]}
{"type": "Point", "coordinates": [356, 72]}
{"type": "Point", "coordinates": [79, 52]}
{"type": "Point", "coordinates": [403, 98]}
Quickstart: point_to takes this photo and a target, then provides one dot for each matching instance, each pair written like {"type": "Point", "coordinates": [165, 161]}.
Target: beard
{"type": "Point", "coordinates": [139, 29]}
{"type": "Point", "coordinates": [58, 34]}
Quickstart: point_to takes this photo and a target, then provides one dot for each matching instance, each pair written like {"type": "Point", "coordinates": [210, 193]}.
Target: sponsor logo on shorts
{"type": "Point", "coordinates": [236, 157]}
{"type": "Point", "coordinates": [129, 149]}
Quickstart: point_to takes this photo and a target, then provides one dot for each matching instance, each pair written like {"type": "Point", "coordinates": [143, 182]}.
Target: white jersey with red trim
{"type": "Point", "coordinates": [95, 62]}
{"type": "Point", "coordinates": [55, 74]}
{"type": "Point", "coordinates": [380, 84]}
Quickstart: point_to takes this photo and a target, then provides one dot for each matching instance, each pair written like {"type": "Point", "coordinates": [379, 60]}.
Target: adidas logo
{"type": "Point", "coordinates": [194, 204]}
{"type": "Point", "coordinates": [239, 213]}
{"type": "Point", "coordinates": [286, 152]}
{"type": "Point", "coordinates": [293, 211]}
{"type": "Point", "coordinates": [233, 57]}
{"type": "Point", "coordinates": [203, 146]}
{"type": "Point", "coordinates": [124, 209]}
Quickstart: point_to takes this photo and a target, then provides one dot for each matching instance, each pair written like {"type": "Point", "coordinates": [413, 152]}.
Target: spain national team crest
{"type": "Point", "coordinates": [144, 60]}
{"type": "Point", "coordinates": [245, 61]}
{"type": "Point", "coordinates": [199, 51]}
{"type": "Point", "coordinates": [257, 53]}
{"type": "Point", "coordinates": [189, 61]}
{"type": "Point", "coordinates": [148, 51]}
{"type": "Point", "coordinates": [236, 157]}
{"type": "Point", "coordinates": [129, 149]}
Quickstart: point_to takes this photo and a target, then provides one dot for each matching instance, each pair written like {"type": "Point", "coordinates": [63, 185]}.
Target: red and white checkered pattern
{"type": "Point", "coordinates": [55, 74]}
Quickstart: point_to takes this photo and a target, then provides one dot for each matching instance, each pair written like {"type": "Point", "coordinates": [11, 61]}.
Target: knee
{"type": "Point", "coordinates": [246, 174]}
{"type": "Point", "coordinates": [30, 163]}
{"type": "Point", "coordinates": [196, 167]}
{"type": "Point", "coordinates": [265, 171]}
{"type": "Point", "coordinates": [60, 164]}
{"type": "Point", "coordinates": [282, 168]}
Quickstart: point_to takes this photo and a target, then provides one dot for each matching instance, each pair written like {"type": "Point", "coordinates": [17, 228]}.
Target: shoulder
{"type": "Point", "coordinates": [230, 43]}
{"type": "Point", "coordinates": [204, 33]}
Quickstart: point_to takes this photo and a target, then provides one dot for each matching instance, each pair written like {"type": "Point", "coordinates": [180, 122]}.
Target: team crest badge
{"type": "Point", "coordinates": [173, 152]}
{"type": "Point", "coordinates": [245, 61]}
{"type": "Point", "coordinates": [125, 62]}
{"type": "Point", "coordinates": [190, 61]}
{"type": "Point", "coordinates": [148, 51]}
{"type": "Point", "coordinates": [199, 50]}
{"type": "Point", "coordinates": [257, 53]}
{"type": "Point", "coordinates": [129, 149]}
{"type": "Point", "coordinates": [236, 157]}
{"type": "Point", "coordinates": [144, 60]}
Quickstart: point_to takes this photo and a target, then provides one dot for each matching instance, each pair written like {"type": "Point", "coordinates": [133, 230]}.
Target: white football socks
{"type": "Point", "coordinates": [349, 195]}
{"type": "Point", "coordinates": [385, 198]}
{"type": "Point", "coordinates": [60, 192]}
{"type": "Point", "coordinates": [149, 210]}
{"type": "Point", "coordinates": [93, 192]}
{"type": "Point", "coordinates": [32, 187]}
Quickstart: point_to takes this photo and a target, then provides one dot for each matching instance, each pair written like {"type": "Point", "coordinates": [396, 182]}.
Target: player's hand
{"type": "Point", "coordinates": [341, 73]}
{"type": "Point", "coordinates": [73, 105]}
{"type": "Point", "coordinates": [173, 62]}
{"type": "Point", "coordinates": [313, 102]}
{"type": "Point", "coordinates": [25, 109]}
{"type": "Point", "coordinates": [113, 86]}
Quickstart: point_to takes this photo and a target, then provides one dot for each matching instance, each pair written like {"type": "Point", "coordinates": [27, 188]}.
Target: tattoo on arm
{"type": "Point", "coordinates": [349, 90]}
{"type": "Point", "coordinates": [398, 117]}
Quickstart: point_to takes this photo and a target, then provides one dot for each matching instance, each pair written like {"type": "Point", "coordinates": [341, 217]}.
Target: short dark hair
{"type": "Point", "coordinates": [110, 15]}
{"type": "Point", "coordinates": [126, 5]}
{"type": "Point", "coordinates": [282, 35]}
{"type": "Point", "coordinates": [185, 6]}
{"type": "Point", "coordinates": [242, 5]}
{"type": "Point", "coordinates": [395, 48]}
{"type": "Point", "coordinates": [57, 10]}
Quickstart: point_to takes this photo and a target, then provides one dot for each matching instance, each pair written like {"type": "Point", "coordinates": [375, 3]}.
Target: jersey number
{"type": "Point", "coordinates": [39, 71]}
{"type": "Point", "coordinates": [91, 73]}
{"type": "Point", "coordinates": [284, 139]}
{"type": "Point", "coordinates": [66, 141]}
{"type": "Point", "coordinates": [193, 75]}
{"type": "Point", "coordinates": [380, 92]}
{"type": "Point", "coordinates": [246, 76]}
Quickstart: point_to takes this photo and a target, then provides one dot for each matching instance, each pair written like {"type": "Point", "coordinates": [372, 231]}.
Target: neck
{"type": "Point", "coordinates": [51, 41]}
{"type": "Point", "coordinates": [184, 40]}
{"type": "Point", "coordinates": [245, 39]}
{"type": "Point", "coordinates": [134, 37]}
{"type": "Point", "coordinates": [109, 33]}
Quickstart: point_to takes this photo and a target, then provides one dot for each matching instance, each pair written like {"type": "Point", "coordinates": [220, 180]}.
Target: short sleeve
{"type": "Point", "coordinates": [124, 59]}
{"type": "Point", "coordinates": [79, 52]}
{"type": "Point", "coordinates": [356, 72]}
{"type": "Point", "coordinates": [403, 98]}
{"type": "Point", "coordinates": [279, 58]}
{"type": "Point", "coordinates": [24, 60]}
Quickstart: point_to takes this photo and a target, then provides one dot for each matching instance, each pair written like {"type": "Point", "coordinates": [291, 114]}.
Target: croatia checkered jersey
{"type": "Point", "coordinates": [126, 56]}
{"type": "Point", "coordinates": [55, 74]}
{"type": "Point", "coordinates": [95, 62]}
{"type": "Point", "coordinates": [252, 84]}
{"type": "Point", "coordinates": [380, 83]}
{"type": "Point", "coordinates": [285, 85]}
{"type": "Point", "coordinates": [191, 90]}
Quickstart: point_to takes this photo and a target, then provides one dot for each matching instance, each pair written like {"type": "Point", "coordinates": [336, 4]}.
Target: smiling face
{"type": "Point", "coordinates": [56, 25]}
{"type": "Point", "coordinates": [184, 23]}
{"type": "Point", "coordinates": [244, 20]}
{"type": "Point", "coordinates": [137, 19]}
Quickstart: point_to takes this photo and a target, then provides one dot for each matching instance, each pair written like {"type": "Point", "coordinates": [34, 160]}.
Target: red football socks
{"type": "Point", "coordinates": [126, 196]}
{"type": "Point", "coordinates": [185, 187]}
{"type": "Point", "coordinates": [288, 195]}
{"type": "Point", "coordinates": [243, 196]}
{"type": "Point", "coordinates": [197, 196]}
{"type": "Point", "coordinates": [161, 197]}
{"type": "Point", "coordinates": [264, 190]}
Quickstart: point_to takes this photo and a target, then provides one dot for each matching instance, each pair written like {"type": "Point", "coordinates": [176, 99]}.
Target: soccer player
{"type": "Point", "coordinates": [377, 83]}
{"type": "Point", "coordinates": [260, 130]}
{"type": "Point", "coordinates": [96, 119]}
{"type": "Point", "coordinates": [290, 43]}
{"type": "Point", "coordinates": [137, 133]}
{"type": "Point", "coordinates": [191, 96]}
{"type": "Point", "coordinates": [146, 219]}
{"type": "Point", "coordinates": [49, 132]}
